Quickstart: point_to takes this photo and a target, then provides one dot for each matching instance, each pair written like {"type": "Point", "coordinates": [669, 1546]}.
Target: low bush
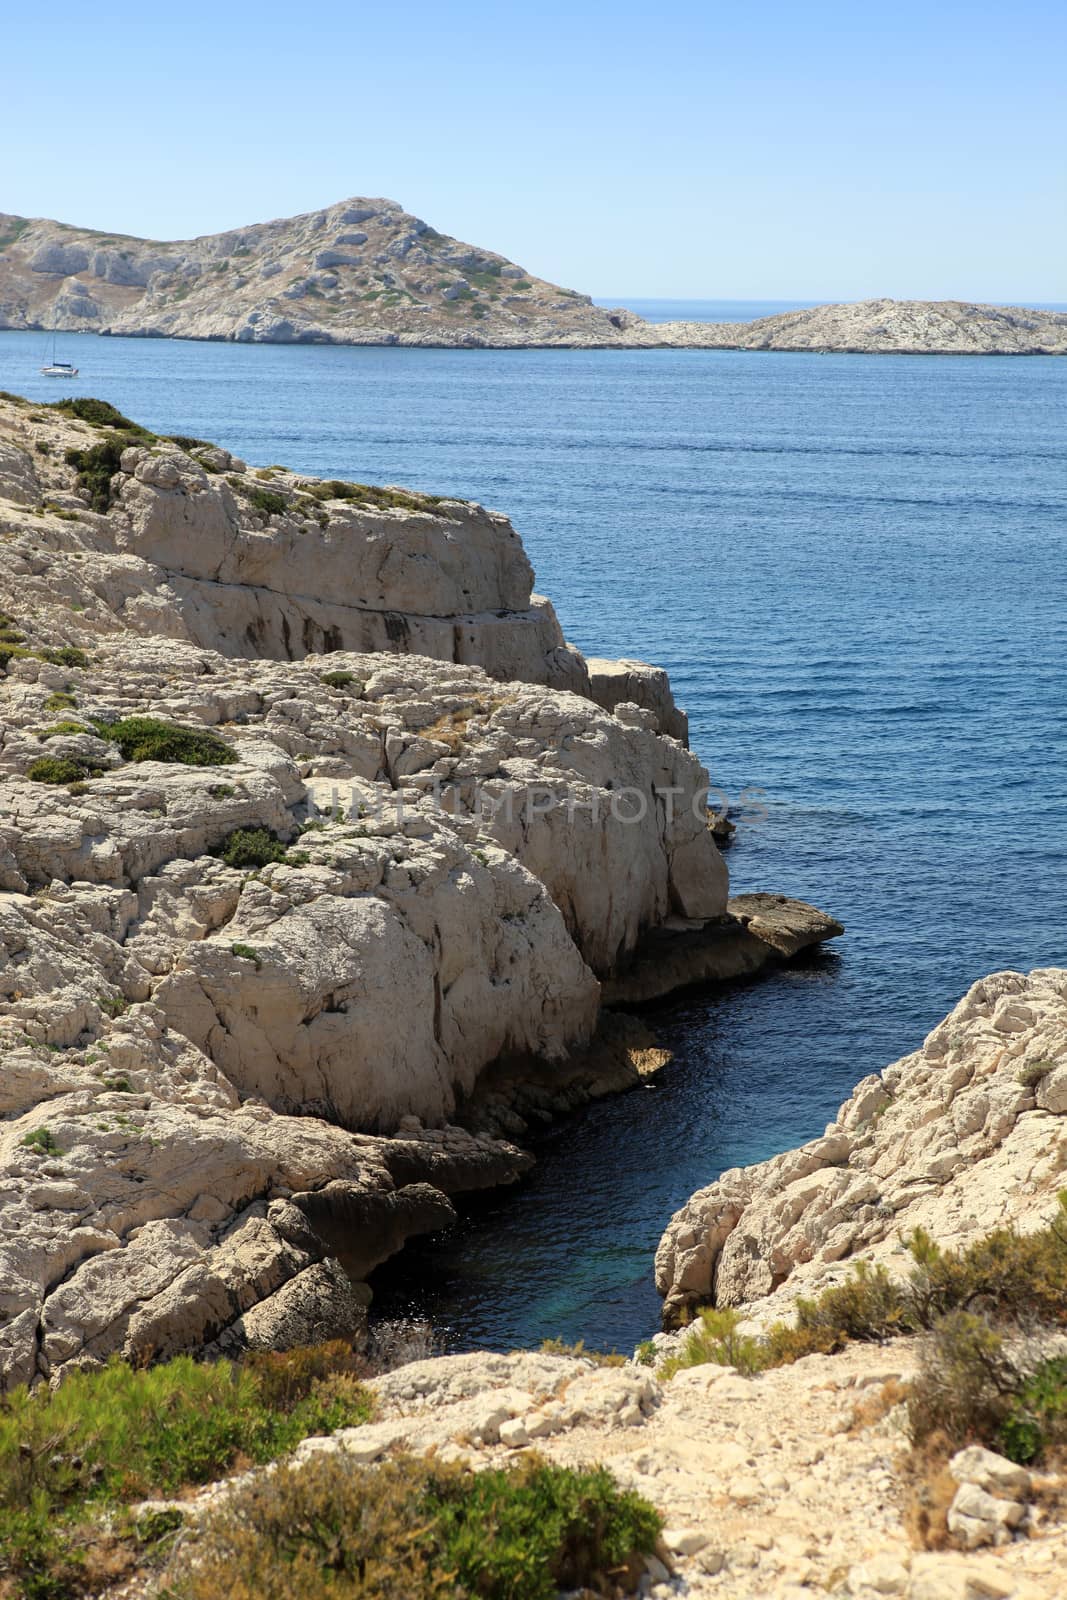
{"type": "Point", "coordinates": [101, 414]}
{"type": "Point", "coordinates": [65, 655]}
{"type": "Point", "coordinates": [150, 739]}
{"type": "Point", "coordinates": [599, 1358]}
{"type": "Point", "coordinates": [62, 730]}
{"type": "Point", "coordinates": [965, 1383]}
{"type": "Point", "coordinates": [1010, 1278]}
{"type": "Point", "coordinates": [245, 952]}
{"type": "Point", "coordinates": [268, 501]}
{"type": "Point", "coordinates": [56, 770]}
{"type": "Point", "coordinates": [69, 1455]}
{"type": "Point", "coordinates": [869, 1306]}
{"type": "Point", "coordinates": [715, 1338]}
{"type": "Point", "coordinates": [1005, 1273]}
{"type": "Point", "coordinates": [185, 441]}
{"type": "Point", "coordinates": [42, 1140]}
{"type": "Point", "coordinates": [337, 680]}
{"type": "Point", "coordinates": [97, 466]}
{"type": "Point", "coordinates": [1036, 1422]}
{"type": "Point", "coordinates": [416, 1529]}
{"type": "Point", "coordinates": [373, 495]}
{"type": "Point", "coordinates": [248, 849]}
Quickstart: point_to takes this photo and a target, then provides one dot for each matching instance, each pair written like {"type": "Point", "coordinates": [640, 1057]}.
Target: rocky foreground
{"type": "Point", "coordinates": [801, 1480]}
{"type": "Point", "coordinates": [316, 847]}
{"type": "Point", "coordinates": [804, 1479]}
{"type": "Point", "coordinates": [365, 271]}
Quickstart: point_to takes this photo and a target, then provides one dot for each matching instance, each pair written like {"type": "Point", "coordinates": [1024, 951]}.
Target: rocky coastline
{"type": "Point", "coordinates": [324, 864]}
{"type": "Point", "coordinates": [319, 849]}
{"type": "Point", "coordinates": [367, 272]}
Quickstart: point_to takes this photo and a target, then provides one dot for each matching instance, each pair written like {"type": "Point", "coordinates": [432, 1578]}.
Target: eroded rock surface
{"type": "Point", "coordinates": [224, 1077]}
{"type": "Point", "coordinates": [964, 1135]}
{"type": "Point", "coordinates": [777, 1487]}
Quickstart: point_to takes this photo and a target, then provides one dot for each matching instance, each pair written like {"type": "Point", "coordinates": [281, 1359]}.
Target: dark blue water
{"type": "Point", "coordinates": [854, 568]}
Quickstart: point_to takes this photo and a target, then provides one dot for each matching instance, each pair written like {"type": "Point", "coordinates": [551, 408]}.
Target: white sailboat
{"type": "Point", "coordinates": [58, 369]}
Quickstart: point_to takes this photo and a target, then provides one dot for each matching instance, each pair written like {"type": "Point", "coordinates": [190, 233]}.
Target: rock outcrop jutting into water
{"type": "Point", "coordinates": [308, 819]}
{"type": "Point", "coordinates": [965, 1135]}
{"type": "Point", "coordinates": [365, 271]}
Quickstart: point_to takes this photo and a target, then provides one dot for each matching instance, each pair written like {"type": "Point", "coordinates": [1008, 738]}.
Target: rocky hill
{"type": "Point", "coordinates": [890, 327]}
{"type": "Point", "coordinates": [365, 271]}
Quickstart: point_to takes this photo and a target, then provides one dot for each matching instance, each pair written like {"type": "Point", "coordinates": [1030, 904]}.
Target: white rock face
{"type": "Point", "coordinates": [219, 1083]}
{"type": "Point", "coordinates": [617, 683]}
{"type": "Point", "coordinates": [960, 1137]}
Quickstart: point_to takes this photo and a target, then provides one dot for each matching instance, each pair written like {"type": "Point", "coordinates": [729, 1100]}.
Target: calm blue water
{"type": "Point", "coordinates": [854, 568]}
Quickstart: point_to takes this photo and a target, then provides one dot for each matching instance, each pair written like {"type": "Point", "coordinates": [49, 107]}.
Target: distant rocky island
{"type": "Point", "coordinates": [365, 271]}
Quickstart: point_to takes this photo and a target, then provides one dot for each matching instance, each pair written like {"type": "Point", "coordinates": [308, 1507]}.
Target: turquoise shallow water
{"type": "Point", "coordinates": [854, 568]}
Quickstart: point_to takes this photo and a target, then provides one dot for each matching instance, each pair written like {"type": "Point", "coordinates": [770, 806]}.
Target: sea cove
{"type": "Point", "coordinates": [852, 567]}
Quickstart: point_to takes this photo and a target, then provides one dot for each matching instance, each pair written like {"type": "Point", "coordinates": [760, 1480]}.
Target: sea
{"type": "Point", "coordinates": [855, 569]}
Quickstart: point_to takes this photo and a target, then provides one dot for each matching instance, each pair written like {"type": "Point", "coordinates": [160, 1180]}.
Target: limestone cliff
{"type": "Point", "coordinates": [365, 271]}
{"type": "Point", "coordinates": [255, 970]}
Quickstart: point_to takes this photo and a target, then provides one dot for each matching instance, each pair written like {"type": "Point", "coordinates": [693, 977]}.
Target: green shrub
{"type": "Point", "coordinates": [101, 414]}
{"type": "Point", "coordinates": [965, 1384]}
{"type": "Point", "coordinates": [250, 848]}
{"type": "Point", "coordinates": [96, 467]}
{"type": "Point", "coordinates": [285, 1377]}
{"type": "Point", "coordinates": [599, 1358]}
{"type": "Point", "coordinates": [60, 701]}
{"type": "Point", "coordinates": [714, 1337]}
{"type": "Point", "coordinates": [1005, 1273]}
{"type": "Point", "coordinates": [66, 655]}
{"type": "Point", "coordinates": [185, 441]}
{"type": "Point", "coordinates": [150, 739]}
{"type": "Point", "coordinates": [268, 501]}
{"type": "Point", "coordinates": [1008, 1277]}
{"type": "Point", "coordinates": [42, 1139]}
{"type": "Point", "coordinates": [56, 770]}
{"type": "Point", "coordinates": [373, 495]}
{"type": "Point", "coordinates": [61, 730]}
{"type": "Point", "coordinates": [869, 1306]}
{"type": "Point", "coordinates": [338, 680]}
{"type": "Point", "coordinates": [245, 952]}
{"type": "Point", "coordinates": [416, 1529]}
{"type": "Point", "coordinates": [121, 1434]}
{"type": "Point", "coordinates": [1037, 1419]}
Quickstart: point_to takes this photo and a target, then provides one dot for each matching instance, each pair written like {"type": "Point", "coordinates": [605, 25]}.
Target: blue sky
{"type": "Point", "coordinates": [748, 151]}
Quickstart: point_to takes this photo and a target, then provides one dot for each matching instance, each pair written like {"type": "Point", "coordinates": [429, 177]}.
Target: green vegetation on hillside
{"type": "Point", "coordinates": [979, 1379]}
{"type": "Point", "coordinates": [71, 1458]}
{"type": "Point", "coordinates": [372, 495]}
{"type": "Point", "coordinates": [415, 1529]}
{"type": "Point", "coordinates": [151, 739]}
